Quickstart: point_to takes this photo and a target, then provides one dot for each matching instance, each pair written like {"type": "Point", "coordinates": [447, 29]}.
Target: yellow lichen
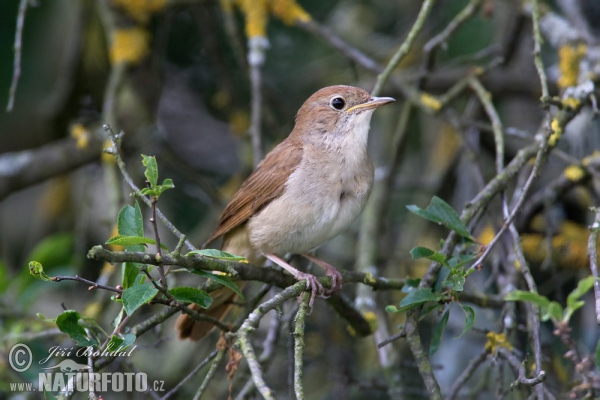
{"type": "Point", "coordinates": [556, 133]}
{"type": "Point", "coordinates": [289, 11]}
{"type": "Point", "coordinates": [431, 101]}
{"type": "Point", "coordinates": [569, 57]}
{"type": "Point", "coordinates": [496, 340]}
{"type": "Point", "coordinates": [571, 102]}
{"type": "Point", "coordinates": [257, 16]}
{"type": "Point", "coordinates": [129, 45]}
{"type": "Point", "coordinates": [587, 160]}
{"type": "Point", "coordinates": [574, 173]}
{"type": "Point", "coordinates": [81, 134]}
{"type": "Point", "coordinates": [140, 10]}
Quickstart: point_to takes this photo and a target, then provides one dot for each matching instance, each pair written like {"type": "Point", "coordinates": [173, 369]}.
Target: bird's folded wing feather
{"type": "Point", "coordinates": [265, 184]}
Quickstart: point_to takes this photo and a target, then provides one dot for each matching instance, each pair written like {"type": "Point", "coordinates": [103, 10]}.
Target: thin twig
{"type": "Point", "coordinates": [405, 47]}
{"type": "Point", "coordinates": [17, 47]}
{"type": "Point", "coordinates": [537, 50]}
{"type": "Point", "coordinates": [210, 374]}
{"type": "Point", "coordinates": [485, 98]}
{"type": "Point", "coordinates": [93, 285]}
{"type": "Point", "coordinates": [593, 254]}
{"type": "Point", "coordinates": [190, 375]}
{"type": "Point", "coordinates": [300, 322]}
{"type": "Point", "coordinates": [466, 374]}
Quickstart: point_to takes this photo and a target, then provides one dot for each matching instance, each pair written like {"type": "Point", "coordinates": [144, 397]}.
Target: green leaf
{"type": "Point", "coordinates": [130, 273]}
{"type": "Point", "coordinates": [469, 321]}
{"type": "Point", "coordinates": [438, 332]}
{"type": "Point", "coordinates": [392, 309]}
{"type": "Point", "coordinates": [130, 222]}
{"type": "Point", "coordinates": [151, 172]}
{"type": "Point", "coordinates": [440, 212]}
{"type": "Point", "coordinates": [441, 278]}
{"type": "Point", "coordinates": [222, 279]}
{"type": "Point", "coordinates": [456, 282]}
{"type": "Point", "coordinates": [192, 295]}
{"type": "Point", "coordinates": [534, 298]}
{"type": "Point", "coordinates": [416, 298]}
{"type": "Point", "coordinates": [582, 288]}
{"type": "Point", "coordinates": [68, 322]}
{"type": "Point", "coordinates": [37, 271]}
{"type": "Point", "coordinates": [554, 311]}
{"type": "Point", "coordinates": [424, 252]}
{"type": "Point", "coordinates": [221, 255]}
{"type": "Point", "coordinates": [138, 295]}
{"type": "Point", "coordinates": [128, 241]}
{"type": "Point", "coordinates": [549, 309]}
{"type": "Point", "coordinates": [117, 343]}
{"type": "Point", "coordinates": [39, 315]}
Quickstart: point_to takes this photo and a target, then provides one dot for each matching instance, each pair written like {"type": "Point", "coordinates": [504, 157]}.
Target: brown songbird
{"type": "Point", "coordinates": [307, 190]}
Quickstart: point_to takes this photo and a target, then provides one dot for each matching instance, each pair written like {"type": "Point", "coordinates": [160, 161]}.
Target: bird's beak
{"type": "Point", "coordinates": [373, 102]}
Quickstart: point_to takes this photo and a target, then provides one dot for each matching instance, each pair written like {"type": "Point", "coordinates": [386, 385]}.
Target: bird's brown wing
{"type": "Point", "coordinates": [265, 184]}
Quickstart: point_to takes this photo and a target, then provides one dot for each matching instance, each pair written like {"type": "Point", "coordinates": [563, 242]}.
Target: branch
{"type": "Point", "coordinates": [17, 47]}
{"type": "Point", "coordinates": [300, 321]}
{"type": "Point", "coordinates": [593, 254]}
{"type": "Point", "coordinates": [22, 169]}
{"type": "Point", "coordinates": [405, 47]}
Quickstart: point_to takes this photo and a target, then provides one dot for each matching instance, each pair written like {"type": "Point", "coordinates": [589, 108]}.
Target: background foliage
{"type": "Point", "coordinates": [496, 115]}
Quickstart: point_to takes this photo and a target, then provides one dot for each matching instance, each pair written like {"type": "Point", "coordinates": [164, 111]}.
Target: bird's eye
{"type": "Point", "coordinates": [338, 103]}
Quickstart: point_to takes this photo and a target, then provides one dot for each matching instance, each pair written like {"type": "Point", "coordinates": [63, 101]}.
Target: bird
{"type": "Point", "coordinates": [305, 191]}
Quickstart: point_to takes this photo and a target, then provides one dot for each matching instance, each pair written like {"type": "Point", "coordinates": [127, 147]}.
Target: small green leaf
{"type": "Point", "coordinates": [554, 311]}
{"type": "Point", "coordinates": [151, 172]}
{"type": "Point", "coordinates": [138, 295]}
{"type": "Point", "coordinates": [130, 222]}
{"type": "Point", "coordinates": [68, 322]}
{"type": "Point", "coordinates": [191, 295]}
{"type": "Point", "coordinates": [130, 271]}
{"type": "Point", "coordinates": [521, 295]}
{"type": "Point", "coordinates": [117, 343]}
{"type": "Point", "coordinates": [221, 255]}
{"type": "Point", "coordinates": [424, 252]}
{"type": "Point", "coordinates": [441, 278]}
{"type": "Point", "coordinates": [416, 298]}
{"type": "Point", "coordinates": [149, 192]}
{"type": "Point", "coordinates": [37, 271]}
{"type": "Point", "coordinates": [582, 288]}
{"type": "Point", "coordinates": [440, 212]}
{"type": "Point", "coordinates": [469, 321]}
{"type": "Point", "coordinates": [39, 315]}
{"type": "Point", "coordinates": [456, 282]}
{"type": "Point", "coordinates": [132, 241]}
{"type": "Point", "coordinates": [438, 332]}
{"type": "Point", "coordinates": [392, 309]}
{"type": "Point", "coordinates": [222, 279]}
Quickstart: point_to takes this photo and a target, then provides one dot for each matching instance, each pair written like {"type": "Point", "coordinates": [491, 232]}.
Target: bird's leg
{"type": "Point", "coordinates": [330, 270]}
{"type": "Point", "coordinates": [311, 281]}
